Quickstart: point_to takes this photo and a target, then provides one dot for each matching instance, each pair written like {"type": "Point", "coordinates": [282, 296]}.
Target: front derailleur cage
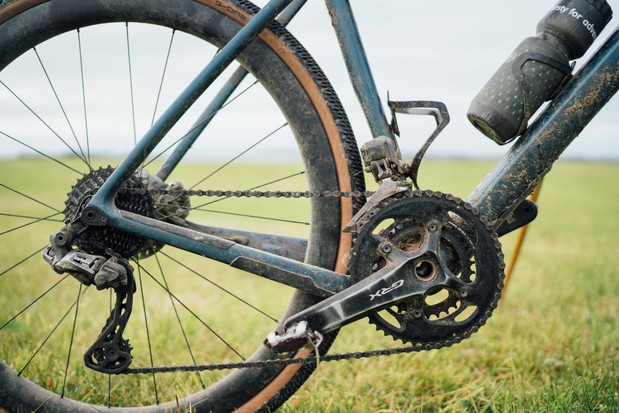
{"type": "Point", "coordinates": [382, 157]}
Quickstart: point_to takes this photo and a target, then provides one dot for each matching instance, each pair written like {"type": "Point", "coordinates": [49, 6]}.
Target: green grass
{"type": "Point", "coordinates": [552, 345]}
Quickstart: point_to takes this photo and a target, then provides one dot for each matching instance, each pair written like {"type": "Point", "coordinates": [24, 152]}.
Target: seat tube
{"type": "Point", "coordinates": [359, 70]}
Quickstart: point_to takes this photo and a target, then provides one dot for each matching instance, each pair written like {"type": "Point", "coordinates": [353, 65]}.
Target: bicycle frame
{"type": "Point", "coordinates": [512, 180]}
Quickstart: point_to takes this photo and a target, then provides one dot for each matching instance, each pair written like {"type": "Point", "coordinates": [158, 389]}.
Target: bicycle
{"type": "Point", "coordinates": [425, 267]}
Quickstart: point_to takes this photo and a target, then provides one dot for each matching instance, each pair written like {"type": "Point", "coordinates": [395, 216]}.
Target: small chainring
{"type": "Point", "coordinates": [447, 235]}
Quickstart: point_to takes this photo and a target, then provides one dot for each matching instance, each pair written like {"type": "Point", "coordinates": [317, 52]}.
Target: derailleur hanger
{"type": "Point", "coordinates": [93, 216]}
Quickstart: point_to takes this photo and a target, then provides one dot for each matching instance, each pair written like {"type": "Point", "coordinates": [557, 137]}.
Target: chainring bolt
{"type": "Point", "coordinates": [385, 248]}
{"type": "Point", "coordinates": [433, 226]}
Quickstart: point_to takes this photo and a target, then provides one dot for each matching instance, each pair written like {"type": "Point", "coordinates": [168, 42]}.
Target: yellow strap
{"type": "Point", "coordinates": [519, 241]}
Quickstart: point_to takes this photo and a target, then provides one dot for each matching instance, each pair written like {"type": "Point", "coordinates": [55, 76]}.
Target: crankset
{"type": "Point", "coordinates": [426, 268]}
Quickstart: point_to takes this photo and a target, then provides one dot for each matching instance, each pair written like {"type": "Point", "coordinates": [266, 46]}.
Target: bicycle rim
{"type": "Point", "coordinates": [78, 90]}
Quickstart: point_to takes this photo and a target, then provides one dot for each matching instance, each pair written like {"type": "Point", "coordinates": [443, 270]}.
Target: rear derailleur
{"type": "Point", "coordinates": [110, 353]}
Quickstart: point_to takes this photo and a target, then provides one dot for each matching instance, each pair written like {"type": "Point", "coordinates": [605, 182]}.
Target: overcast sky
{"type": "Point", "coordinates": [443, 50]}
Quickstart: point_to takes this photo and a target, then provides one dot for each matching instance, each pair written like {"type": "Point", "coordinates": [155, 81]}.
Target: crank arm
{"type": "Point", "coordinates": [408, 280]}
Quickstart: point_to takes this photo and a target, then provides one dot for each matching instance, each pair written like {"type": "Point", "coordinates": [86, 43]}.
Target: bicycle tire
{"type": "Point", "coordinates": [314, 113]}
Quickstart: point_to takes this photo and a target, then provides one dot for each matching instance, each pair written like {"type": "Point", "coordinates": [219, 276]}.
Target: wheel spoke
{"type": "Point", "coordinates": [163, 74]}
{"type": "Point", "coordinates": [29, 197]}
{"type": "Point", "coordinates": [34, 221]}
{"type": "Point", "coordinates": [236, 214]}
{"type": "Point", "coordinates": [23, 310]}
{"type": "Point", "coordinates": [150, 348]}
{"type": "Point", "coordinates": [131, 91]}
{"type": "Point", "coordinates": [66, 370]}
{"type": "Point", "coordinates": [109, 376]}
{"type": "Point", "coordinates": [62, 109]}
{"type": "Point", "coordinates": [178, 319]}
{"type": "Point", "coordinates": [48, 336]}
{"type": "Point", "coordinates": [40, 153]}
{"type": "Point", "coordinates": [205, 324]}
{"type": "Point", "coordinates": [240, 154]}
{"type": "Point", "coordinates": [29, 108]}
{"type": "Point", "coordinates": [48, 218]}
{"type": "Point", "coordinates": [22, 261]}
{"type": "Point", "coordinates": [216, 285]}
{"type": "Point", "coordinates": [84, 106]}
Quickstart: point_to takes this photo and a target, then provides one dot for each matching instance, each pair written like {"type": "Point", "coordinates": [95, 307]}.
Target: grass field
{"type": "Point", "coordinates": [552, 345]}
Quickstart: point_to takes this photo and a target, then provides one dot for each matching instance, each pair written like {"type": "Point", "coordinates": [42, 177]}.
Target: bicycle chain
{"type": "Point", "coordinates": [283, 361]}
{"type": "Point", "coordinates": [252, 194]}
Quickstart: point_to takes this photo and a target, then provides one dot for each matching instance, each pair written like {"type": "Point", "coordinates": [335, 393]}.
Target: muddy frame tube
{"type": "Point", "coordinates": [533, 155]}
{"type": "Point", "coordinates": [359, 71]}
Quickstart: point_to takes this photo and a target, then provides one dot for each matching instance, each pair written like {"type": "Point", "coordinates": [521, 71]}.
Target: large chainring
{"type": "Point", "coordinates": [446, 237]}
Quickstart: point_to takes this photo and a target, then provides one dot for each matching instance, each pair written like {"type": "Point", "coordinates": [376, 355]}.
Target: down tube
{"type": "Point", "coordinates": [532, 156]}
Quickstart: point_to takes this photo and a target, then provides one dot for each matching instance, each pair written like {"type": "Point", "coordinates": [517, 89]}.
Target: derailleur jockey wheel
{"type": "Point", "coordinates": [455, 253]}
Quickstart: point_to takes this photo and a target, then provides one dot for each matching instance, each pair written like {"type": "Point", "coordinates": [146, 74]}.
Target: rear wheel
{"type": "Point", "coordinates": [81, 81]}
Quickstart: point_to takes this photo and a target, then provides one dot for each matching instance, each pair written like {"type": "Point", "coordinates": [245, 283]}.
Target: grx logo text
{"type": "Point", "coordinates": [387, 290]}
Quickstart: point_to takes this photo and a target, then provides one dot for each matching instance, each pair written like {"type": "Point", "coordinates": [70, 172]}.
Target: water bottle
{"type": "Point", "coordinates": [537, 69]}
